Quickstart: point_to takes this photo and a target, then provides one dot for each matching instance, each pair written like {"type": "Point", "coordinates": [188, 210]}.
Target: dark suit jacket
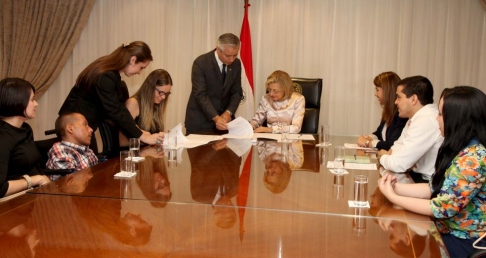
{"type": "Point", "coordinates": [209, 97]}
{"type": "Point", "coordinates": [102, 101]}
{"type": "Point", "coordinates": [392, 133]}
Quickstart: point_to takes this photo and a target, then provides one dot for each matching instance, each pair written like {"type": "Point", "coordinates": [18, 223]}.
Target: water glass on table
{"type": "Point", "coordinates": [324, 134]}
{"type": "Point", "coordinates": [125, 161]}
{"type": "Point", "coordinates": [134, 146]}
{"type": "Point", "coordinates": [360, 190]}
{"type": "Point", "coordinates": [339, 152]}
{"type": "Point", "coordinates": [171, 140]}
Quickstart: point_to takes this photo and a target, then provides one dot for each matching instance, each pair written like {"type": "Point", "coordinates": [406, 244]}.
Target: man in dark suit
{"type": "Point", "coordinates": [216, 87]}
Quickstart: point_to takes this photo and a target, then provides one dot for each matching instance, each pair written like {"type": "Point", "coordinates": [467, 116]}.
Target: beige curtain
{"type": "Point", "coordinates": [345, 42]}
{"type": "Point", "coordinates": [37, 38]}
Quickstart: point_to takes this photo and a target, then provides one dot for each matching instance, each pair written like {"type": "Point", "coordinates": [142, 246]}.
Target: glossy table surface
{"type": "Point", "coordinates": [223, 199]}
{"type": "Point", "coordinates": [303, 181]}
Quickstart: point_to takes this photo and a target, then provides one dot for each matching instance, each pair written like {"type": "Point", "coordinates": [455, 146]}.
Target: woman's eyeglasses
{"type": "Point", "coordinates": [274, 91]}
{"type": "Point", "coordinates": [162, 93]}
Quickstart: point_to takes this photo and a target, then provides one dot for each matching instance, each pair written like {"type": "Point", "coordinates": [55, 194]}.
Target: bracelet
{"type": "Point", "coordinates": [229, 112]}
{"type": "Point", "coordinates": [29, 181]}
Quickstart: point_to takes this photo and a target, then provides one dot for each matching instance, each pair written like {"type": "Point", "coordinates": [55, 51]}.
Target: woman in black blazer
{"type": "Point", "coordinates": [391, 125]}
{"type": "Point", "coordinates": [96, 94]}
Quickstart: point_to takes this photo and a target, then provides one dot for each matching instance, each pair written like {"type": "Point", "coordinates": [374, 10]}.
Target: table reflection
{"type": "Point", "coordinates": [75, 182]}
{"type": "Point", "coordinates": [279, 159]}
{"type": "Point", "coordinates": [19, 238]}
{"type": "Point", "coordinates": [154, 182]}
{"type": "Point", "coordinates": [214, 180]}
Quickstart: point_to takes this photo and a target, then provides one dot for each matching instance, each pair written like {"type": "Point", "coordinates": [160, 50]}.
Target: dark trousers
{"type": "Point", "coordinates": [458, 247]}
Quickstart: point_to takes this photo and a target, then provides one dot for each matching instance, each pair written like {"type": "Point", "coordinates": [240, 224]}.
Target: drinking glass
{"type": "Point", "coordinates": [339, 152]}
{"type": "Point", "coordinates": [360, 190]}
{"type": "Point", "coordinates": [134, 144]}
{"type": "Point", "coordinates": [359, 221]}
{"type": "Point", "coordinates": [324, 134]}
{"type": "Point", "coordinates": [338, 187]}
{"type": "Point", "coordinates": [125, 161]}
{"type": "Point", "coordinates": [172, 140]}
{"type": "Point", "coordinates": [172, 158]}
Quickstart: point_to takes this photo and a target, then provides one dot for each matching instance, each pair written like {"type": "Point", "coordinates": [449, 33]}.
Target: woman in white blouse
{"type": "Point", "coordinates": [281, 107]}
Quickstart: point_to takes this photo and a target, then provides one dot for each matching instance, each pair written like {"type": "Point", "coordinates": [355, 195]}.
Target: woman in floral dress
{"type": "Point", "coordinates": [456, 195]}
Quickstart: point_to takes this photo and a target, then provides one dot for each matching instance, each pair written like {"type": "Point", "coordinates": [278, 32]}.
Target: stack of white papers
{"type": "Point", "coordinates": [190, 141]}
{"type": "Point", "coordinates": [355, 146]}
{"type": "Point", "coordinates": [330, 164]}
{"type": "Point", "coordinates": [239, 129]}
{"type": "Point", "coordinates": [278, 137]}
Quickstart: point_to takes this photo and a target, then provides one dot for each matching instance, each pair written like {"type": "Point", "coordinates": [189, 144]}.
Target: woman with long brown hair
{"type": "Point", "coordinates": [391, 125]}
{"type": "Point", "coordinates": [148, 105]}
{"type": "Point", "coordinates": [96, 94]}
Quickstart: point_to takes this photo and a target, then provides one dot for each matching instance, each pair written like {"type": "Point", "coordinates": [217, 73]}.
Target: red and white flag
{"type": "Point", "coordinates": [247, 103]}
{"type": "Point", "coordinates": [245, 110]}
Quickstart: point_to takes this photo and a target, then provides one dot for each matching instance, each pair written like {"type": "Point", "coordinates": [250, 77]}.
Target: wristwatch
{"type": "Point", "coordinates": [229, 112]}
{"type": "Point", "coordinates": [29, 181]}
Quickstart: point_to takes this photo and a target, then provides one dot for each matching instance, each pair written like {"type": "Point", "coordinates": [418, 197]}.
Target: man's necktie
{"type": "Point", "coordinates": [224, 72]}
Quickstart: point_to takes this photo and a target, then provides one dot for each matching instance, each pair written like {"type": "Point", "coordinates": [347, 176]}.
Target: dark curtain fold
{"type": "Point", "coordinates": [38, 36]}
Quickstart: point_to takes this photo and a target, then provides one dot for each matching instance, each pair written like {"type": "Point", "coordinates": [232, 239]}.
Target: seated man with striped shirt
{"type": "Point", "coordinates": [73, 151]}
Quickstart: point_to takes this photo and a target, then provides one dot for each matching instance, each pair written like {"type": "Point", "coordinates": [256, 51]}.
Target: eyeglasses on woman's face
{"type": "Point", "coordinates": [163, 93]}
{"type": "Point", "coordinates": [274, 91]}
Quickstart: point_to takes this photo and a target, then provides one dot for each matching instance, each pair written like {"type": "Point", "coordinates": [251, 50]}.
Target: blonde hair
{"type": "Point", "coordinates": [152, 115]}
{"type": "Point", "coordinates": [284, 80]}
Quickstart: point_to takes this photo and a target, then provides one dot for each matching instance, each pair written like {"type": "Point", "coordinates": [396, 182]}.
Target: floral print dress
{"type": "Point", "coordinates": [460, 206]}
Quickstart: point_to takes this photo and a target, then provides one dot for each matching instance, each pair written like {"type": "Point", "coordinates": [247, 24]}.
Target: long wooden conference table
{"type": "Point", "coordinates": [215, 200]}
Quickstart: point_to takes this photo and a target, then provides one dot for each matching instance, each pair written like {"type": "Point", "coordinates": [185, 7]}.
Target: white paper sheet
{"type": "Point", "coordinates": [239, 129]}
{"type": "Point", "coordinates": [190, 141]}
{"type": "Point", "coordinates": [352, 205]}
{"type": "Point", "coordinates": [278, 137]}
{"type": "Point", "coordinates": [355, 146]}
{"type": "Point", "coordinates": [298, 136]}
{"type": "Point", "coordinates": [330, 164]}
{"type": "Point", "coordinates": [239, 146]}
{"type": "Point", "coordinates": [124, 174]}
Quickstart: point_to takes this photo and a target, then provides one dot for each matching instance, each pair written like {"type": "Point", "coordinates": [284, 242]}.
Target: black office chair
{"type": "Point", "coordinates": [311, 89]}
{"type": "Point", "coordinates": [110, 137]}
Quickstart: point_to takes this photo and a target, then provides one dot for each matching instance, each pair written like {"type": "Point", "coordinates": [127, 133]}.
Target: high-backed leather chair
{"type": "Point", "coordinates": [311, 89]}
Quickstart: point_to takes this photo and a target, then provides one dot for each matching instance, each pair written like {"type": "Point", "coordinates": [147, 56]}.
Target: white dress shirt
{"type": "Point", "coordinates": [418, 144]}
{"type": "Point", "coordinates": [220, 64]}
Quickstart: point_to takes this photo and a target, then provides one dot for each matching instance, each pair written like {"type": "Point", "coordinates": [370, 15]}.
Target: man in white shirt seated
{"type": "Point", "coordinates": [416, 149]}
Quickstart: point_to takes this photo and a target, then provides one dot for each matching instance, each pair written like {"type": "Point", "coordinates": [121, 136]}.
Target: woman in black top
{"type": "Point", "coordinates": [147, 106]}
{"type": "Point", "coordinates": [391, 125]}
{"type": "Point", "coordinates": [96, 92]}
{"type": "Point", "coordinates": [19, 157]}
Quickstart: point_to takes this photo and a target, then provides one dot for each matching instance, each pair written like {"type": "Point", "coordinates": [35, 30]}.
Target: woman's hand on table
{"type": "Point", "coordinates": [387, 185]}
{"type": "Point", "coordinates": [152, 139]}
{"type": "Point", "coordinates": [364, 141]}
{"type": "Point", "coordinates": [262, 129]}
{"type": "Point", "coordinates": [39, 180]}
